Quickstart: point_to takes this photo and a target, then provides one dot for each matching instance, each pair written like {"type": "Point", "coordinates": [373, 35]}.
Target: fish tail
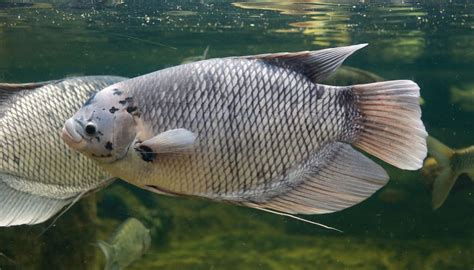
{"type": "Point", "coordinates": [108, 251]}
{"type": "Point", "coordinates": [392, 129]}
{"type": "Point", "coordinates": [445, 180]}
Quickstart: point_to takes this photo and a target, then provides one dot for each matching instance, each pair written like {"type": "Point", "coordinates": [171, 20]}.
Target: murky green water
{"type": "Point", "coordinates": [430, 42]}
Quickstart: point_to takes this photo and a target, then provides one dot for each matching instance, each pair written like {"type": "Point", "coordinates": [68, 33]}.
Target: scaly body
{"type": "Point", "coordinates": [257, 130]}
{"type": "Point", "coordinates": [253, 125]}
{"type": "Point", "coordinates": [38, 172]}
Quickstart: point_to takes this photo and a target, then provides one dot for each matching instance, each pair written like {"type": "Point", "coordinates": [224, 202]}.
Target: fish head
{"type": "Point", "coordinates": [104, 128]}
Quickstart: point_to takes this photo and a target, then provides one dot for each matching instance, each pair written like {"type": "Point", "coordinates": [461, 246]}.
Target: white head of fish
{"type": "Point", "coordinates": [103, 129]}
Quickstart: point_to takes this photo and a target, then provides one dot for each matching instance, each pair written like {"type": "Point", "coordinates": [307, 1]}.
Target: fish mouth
{"type": "Point", "coordinates": [70, 134]}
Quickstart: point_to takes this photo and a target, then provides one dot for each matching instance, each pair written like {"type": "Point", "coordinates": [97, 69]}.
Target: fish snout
{"type": "Point", "coordinates": [70, 135]}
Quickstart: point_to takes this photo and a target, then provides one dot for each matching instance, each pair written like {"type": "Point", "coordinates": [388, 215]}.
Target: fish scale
{"type": "Point", "coordinates": [228, 152]}
{"type": "Point", "coordinates": [39, 174]}
{"type": "Point", "coordinates": [47, 161]}
{"type": "Point", "coordinates": [260, 131]}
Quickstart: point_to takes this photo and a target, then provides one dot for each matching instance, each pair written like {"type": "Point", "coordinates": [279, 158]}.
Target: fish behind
{"type": "Point", "coordinates": [39, 174]}
{"type": "Point", "coordinates": [259, 131]}
{"type": "Point", "coordinates": [451, 164]}
{"type": "Point", "coordinates": [130, 241]}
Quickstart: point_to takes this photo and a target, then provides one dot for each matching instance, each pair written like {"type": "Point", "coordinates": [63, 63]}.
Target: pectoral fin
{"type": "Point", "coordinates": [172, 141]}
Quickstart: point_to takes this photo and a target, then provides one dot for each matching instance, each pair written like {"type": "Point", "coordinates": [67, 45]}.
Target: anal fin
{"type": "Point", "coordinates": [18, 208]}
{"type": "Point", "coordinates": [335, 178]}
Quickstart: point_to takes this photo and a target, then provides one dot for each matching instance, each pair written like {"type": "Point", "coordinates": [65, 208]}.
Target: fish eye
{"type": "Point", "coordinates": [90, 129]}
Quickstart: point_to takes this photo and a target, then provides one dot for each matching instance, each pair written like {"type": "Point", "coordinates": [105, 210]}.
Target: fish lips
{"type": "Point", "coordinates": [70, 135]}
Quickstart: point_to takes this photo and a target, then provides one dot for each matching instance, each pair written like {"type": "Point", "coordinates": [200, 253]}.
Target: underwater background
{"type": "Point", "coordinates": [430, 42]}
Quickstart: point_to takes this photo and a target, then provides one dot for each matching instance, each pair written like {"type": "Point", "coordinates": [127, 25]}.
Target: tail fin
{"type": "Point", "coordinates": [108, 251]}
{"type": "Point", "coordinates": [392, 127]}
{"type": "Point", "coordinates": [445, 180]}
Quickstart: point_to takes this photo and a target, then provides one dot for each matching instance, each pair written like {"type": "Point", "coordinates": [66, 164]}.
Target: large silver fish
{"type": "Point", "coordinates": [128, 243]}
{"type": "Point", "coordinates": [39, 174]}
{"type": "Point", "coordinates": [257, 130]}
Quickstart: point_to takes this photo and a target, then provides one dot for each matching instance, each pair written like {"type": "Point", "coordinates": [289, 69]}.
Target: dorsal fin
{"type": "Point", "coordinates": [9, 89]}
{"type": "Point", "coordinates": [316, 65]}
{"type": "Point", "coordinates": [25, 86]}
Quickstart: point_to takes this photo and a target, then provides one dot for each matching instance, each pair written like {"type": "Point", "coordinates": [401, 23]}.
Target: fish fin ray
{"type": "Point", "coordinates": [18, 207]}
{"type": "Point", "coordinates": [297, 218]}
{"type": "Point", "coordinates": [64, 210]}
{"type": "Point", "coordinates": [204, 55]}
{"type": "Point", "coordinates": [316, 65]}
{"type": "Point", "coordinates": [392, 129]}
{"type": "Point", "coordinates": [337, 177]}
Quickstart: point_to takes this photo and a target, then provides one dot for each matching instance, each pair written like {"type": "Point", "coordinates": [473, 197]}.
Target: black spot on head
{"type": "Point", "coordinates": [101, 156]}
{"type": "Point", "coordinates": [146, 153]}
{"type": "Point", "coordinates": [109, 146]}
{"type": "Point", "coordinates": [113, 110]}
{"type": "Point", "coordinates": [126, 100]}
{"type": "Point", "coordinates": [131, 109]}
{"type": "Point", "coordinates": [89, 101]}
{"type": "Point", "coordinates": [117, 92]}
